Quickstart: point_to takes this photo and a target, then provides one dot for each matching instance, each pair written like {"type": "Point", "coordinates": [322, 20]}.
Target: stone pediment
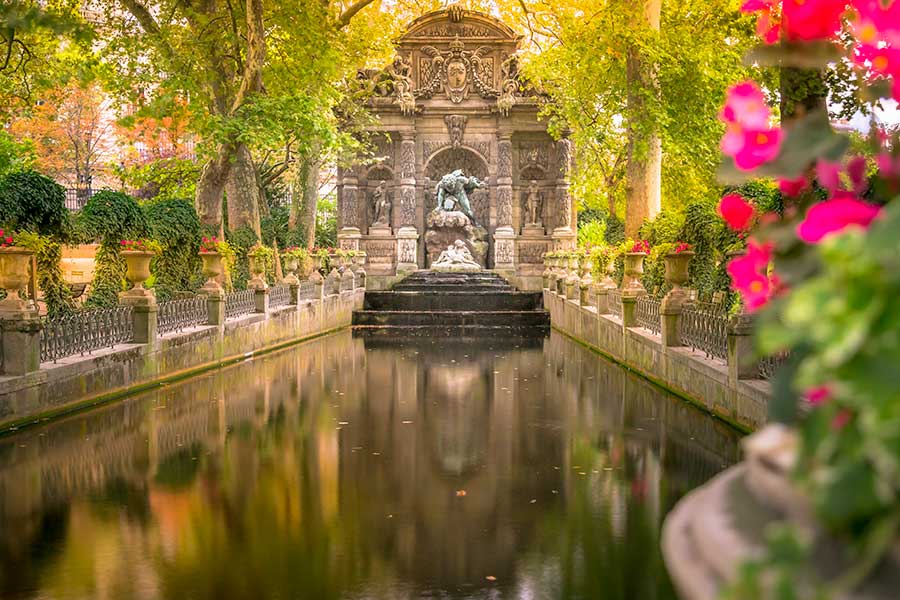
{"type": "Point", "coordinates": [455, 22]}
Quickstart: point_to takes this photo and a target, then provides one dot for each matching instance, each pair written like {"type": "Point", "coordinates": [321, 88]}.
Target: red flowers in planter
{"type": "Point", "coordinates": [834, 215]}
{"type": "Point", "coordinates": [209, 244]}
{"type": "Point", "coordinates": [6, 240]}
{"type": "Point", "coordinates": [641, 246]}
{"type": "Point", "coordinates": [682, 247]}
{"type": "Point", "coordinates": [133, 246]}
{"type": "Point", "coordinates": [736, 211]}
{"type": "Point", "coordinates": [749, 139]}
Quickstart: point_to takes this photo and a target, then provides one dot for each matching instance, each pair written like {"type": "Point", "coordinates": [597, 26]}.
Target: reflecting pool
{"type": "Point", "coordinates": [350, 468]}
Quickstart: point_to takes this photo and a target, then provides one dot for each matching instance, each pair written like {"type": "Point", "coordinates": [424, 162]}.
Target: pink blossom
{"type": "Point", "coordinates": [749, 275]}
{"type": "Point", "coordinates": [736, 211]}
{"type": "Point", "coordinates": [834, 215]}
{"type": "Point", "coordinates": [809, 20]}
{"type": "Point", "coordinates": [793, 187]}
{"type": "Point", "coordinates": [841, 419]}
{"type": "Point", "coordinates": [828, 174]}
{"type": "Point", "coordinates": [746, 107]}
{"type": "Point", "coordinates": [748, 138]}
{"type": "Point", "coordinates": [759, 147]}
{"type": "Point", "coordinates": [817, 395]}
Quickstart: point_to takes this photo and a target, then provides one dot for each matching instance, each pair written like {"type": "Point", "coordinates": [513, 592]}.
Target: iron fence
{"type": "Point", "coordinates": [76, 198]}
{"type": "Point", "coordinates": [704, 326]}
{"type": "Point", "coordinates": [280, 295]}
{"type": "Point", "coordinates": [647, 313]}
{"type": "Point", "coordinates": [178, 315]}
{"type": "Point", "coordinates": [84, 331]}
{"type": "Point", "coordinates": [615, 303]}
{"type": "Point", "coordinates": [239, 303]}
{"type": "Point", "coordinates": [770, 364]}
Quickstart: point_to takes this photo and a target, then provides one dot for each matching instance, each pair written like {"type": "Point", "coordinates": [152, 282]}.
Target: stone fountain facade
{"type": "Point", "coordinates": [452, 99]}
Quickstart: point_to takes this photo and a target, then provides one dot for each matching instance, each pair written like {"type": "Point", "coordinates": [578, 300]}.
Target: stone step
{"type": "Point", "coordinates": [493, 318]}
{"type": "Point", "coordinates": [397, 334]}
{"type": "Point", "coordinates": [461, 300]}
{"type": "Point", "coordinates": [444, 289]}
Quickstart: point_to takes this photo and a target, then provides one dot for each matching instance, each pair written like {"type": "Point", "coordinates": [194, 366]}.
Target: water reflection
{"type": "Point", "coordinates": [346, 468]}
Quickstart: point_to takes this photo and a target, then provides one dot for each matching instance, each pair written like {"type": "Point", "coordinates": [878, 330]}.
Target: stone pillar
{"type": "Point", "coordinates": [261, 300]}
{"type": "Point", "coordinates": [629, 310]}
{"type": "Point", "coordinates": [144, 312]}
{"type": "Point", "coordinates": [742, 361]}
{"type": "Point", "coordinates": [350, 198]}
{"type": "Point", "coordinates": [602, 299]}
{"type": "Point", "coordinates": [215, 306]}
{"type": "Point", "coordinates": [564, 235]}
{"type": "Point", "coordinates": [21, 339]}
{"type": "Point", "coordinates": [504, 235]}
{"type": "Point", "coordinates": [407, 235]}
{"type": "Point", "coordinates": [295, 293]}
{"type": "Point", "coordinates": [670, 310]}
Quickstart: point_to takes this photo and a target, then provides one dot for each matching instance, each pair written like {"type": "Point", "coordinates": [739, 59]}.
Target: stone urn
{"type": "Point", "coordinates": [573, 288]}
{"type": "Point", "coordinates": [305, 267]}
{"type": "Point", "coordinates": [14, 262]}
{"type": "Point", "coordinates": [291, 264]}
{"type": "Point", "coordinates": [213, 267]}
{"type": "Point", "coordinates": [258, 273]}
{"type": "Point", "coordinates": [608, 282]}
{"type": "Point", "coordinates": [634, 268]}
{"type": "Point", "coordinates": [677, 268]}
{"type": "Point", "coordinates": [587, 280]}
{"type": "Point", "coordinates": [545, 274]}
{"type": "Point", "coordinates": [137, 263]}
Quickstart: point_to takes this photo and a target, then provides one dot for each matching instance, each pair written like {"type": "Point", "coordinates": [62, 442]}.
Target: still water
{"type": "Point", "coordinates": [349, 468]}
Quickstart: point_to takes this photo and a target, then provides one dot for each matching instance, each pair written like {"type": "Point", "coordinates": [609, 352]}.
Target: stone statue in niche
{"type": "Point", "coordinates": [533, 204]}
{"type": "Point", "coordinates": [452, 193]}
{"type": "Point", "coordinates": [453, 218]}
{"type": "Point", "coordinates": [381, 205]}
{"type": "Point", "coordinates": [456, 258]}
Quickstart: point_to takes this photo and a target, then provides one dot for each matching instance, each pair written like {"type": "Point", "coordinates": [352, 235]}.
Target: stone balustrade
{"type": "Point", "coordinates": [694, 349]}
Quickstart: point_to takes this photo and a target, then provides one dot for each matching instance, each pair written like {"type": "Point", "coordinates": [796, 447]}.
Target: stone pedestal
{"type": "Point", "coordinates": [215, 306]}
{"type": "Point", "coordinates": [348, 238]}
{"type": "Point", "coordinates": [445, 227]}
{"type": "Point", "coordinates": [670, 310]}
{"type": "Point", "coordinates": [144, 313]}
{"type": "Point", "coordinates": [21, 339]}
{"type": "Point", "coordinates": [379, 230]}
{"type": "Point", "coordinates": [261, 300]}
{"type": "Point", "coordinates": [504, 249]}
{"type": "Point", "coordinates": [742, 363]}
{"type": "Point", "coordinates": [564, 238]}
{"type": "Point", "coordinates": [533, 230]}
{"type": "Point", "coordinates": [407, 246]}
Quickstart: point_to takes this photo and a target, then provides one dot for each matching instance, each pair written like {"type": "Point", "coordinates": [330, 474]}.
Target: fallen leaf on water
{"type": "Point", "coordinates": [491, 578]}
{"type": "Point", "coordinates": [406, 422]}
{"type": "Point", "coordinates": [460, 493]}
{"type": "Point", "coordinates": [533, 500]}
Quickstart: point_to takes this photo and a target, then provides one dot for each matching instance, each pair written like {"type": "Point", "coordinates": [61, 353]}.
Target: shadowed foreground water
{"type": "Point", "coordinates": [345, 468]}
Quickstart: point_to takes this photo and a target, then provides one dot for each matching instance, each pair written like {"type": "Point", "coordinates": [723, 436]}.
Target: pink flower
{"type": "Point", "coordinates": [817, 395]}
{"type": "Point", "coordinates": [841, 419]}
{"type": "Point", "coordinates": [768, 23]}
{"type": "Point", "coordinates": [748, 138]}
{"type": "Point", "coordinates": [682, 247]}
{"type": "Point", "coordinates": [828, 174]}
{"type": "Point", "coordinates": [749, 275]}
{"type": "Point", "coordinates": [793, 187]}
{"type": "Point", "coordinates": [641, 246]}
{"type": "Point", "coordinates": [746, 106]}
{"type": "Point", "coordinates": [834, 215]}
{"type": "Point", "coordinates": [736, 211]}
{"type": "Point", "coordinates": [809, 20]}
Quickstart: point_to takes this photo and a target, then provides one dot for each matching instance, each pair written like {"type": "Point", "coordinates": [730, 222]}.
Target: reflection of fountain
{"type": "Point", "coordinates": [458, 415]}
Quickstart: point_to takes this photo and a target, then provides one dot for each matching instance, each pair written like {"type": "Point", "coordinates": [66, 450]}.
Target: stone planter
{"type": "Point", "coordinates": [137, 265]}
{"type": "Point", "coordinates": [213, 267]}
{"type": "Point", "coordinates": [677, 268]}
{"type": "Point", "coordinates": [258, 273]}
{"type": "Point", "coordinates": [634, 268]}
{"type": "Point", "coordinates": [14, 262]}
{"type": "Point", "coordinates": [608, 282]}
{"type": "Point", "coordinates": [291, 264]}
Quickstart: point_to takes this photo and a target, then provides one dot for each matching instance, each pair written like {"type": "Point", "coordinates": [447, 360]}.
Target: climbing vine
{"type": "Point", "coordinates": [175, 225]}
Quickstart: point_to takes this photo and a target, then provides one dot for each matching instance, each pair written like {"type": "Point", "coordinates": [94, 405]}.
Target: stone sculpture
{"type": "Point", "coordinates": [456, 258]}
{"type": "Point", "coordinates": [533, 204]}
{"type": "Point", "coordinates": [452, 191]}
{"type": "Point", "coordinates": [381, 205]}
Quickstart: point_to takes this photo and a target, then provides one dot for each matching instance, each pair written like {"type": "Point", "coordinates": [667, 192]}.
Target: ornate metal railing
{"type": "Point", "coordinates": [647, 313]}
{"type": "Point", "coordinates": [615, 303]}
{"type": "Point", "coordinates": [704, 326]}
{"type": "Point", "coordinates": [239, 303]}
{"type": "Point", "coordinates": [279, 295]}
{"type": "Point", "coordinates": [770, 364]}
{"type": "Point", "coordinates": [84, 331]}
{"type": "Point", "coordinates": [178, 315]}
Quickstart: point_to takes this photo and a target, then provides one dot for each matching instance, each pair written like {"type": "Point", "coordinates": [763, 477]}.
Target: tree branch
{"type": "Point", "coordinates": [348, 14]}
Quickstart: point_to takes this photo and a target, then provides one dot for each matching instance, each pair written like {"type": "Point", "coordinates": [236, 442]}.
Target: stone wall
{"type": "Point", "coordinates": [690, 374]}
{"type": "Point", "coordinates": [81, 381]}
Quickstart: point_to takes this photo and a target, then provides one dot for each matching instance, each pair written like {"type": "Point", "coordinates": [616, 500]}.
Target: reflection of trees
{"type": "Point", "coordinates": [332, 469]}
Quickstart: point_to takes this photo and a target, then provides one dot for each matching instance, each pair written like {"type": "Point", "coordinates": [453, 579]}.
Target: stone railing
{"type": "Point", "coordinates": [694, 348]}
{"type": "Point", "coordinates": [85, 331]}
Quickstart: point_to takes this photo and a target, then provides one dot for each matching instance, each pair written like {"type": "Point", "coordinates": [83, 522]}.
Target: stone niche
{"type": "Point", "coordinates": [452, 99]}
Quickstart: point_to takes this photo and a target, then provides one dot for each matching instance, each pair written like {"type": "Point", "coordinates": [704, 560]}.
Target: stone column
{"type": "Point", "coordinates": [350, 198]}
{"type": "Point", "coordinates": [504, 235]}
{"type": "Point", "coordinates": [407, 235]}
{"type": "Point", "coordinates": [144, 312]}
{"type": "Point", "coordinates": [261, 300]}
{"type": "Point", "coordinates": [21, 339]}
{"type": "Point", "coordinates": [564, 235]}
{"type": "Point", "coordinates": [670, 310]}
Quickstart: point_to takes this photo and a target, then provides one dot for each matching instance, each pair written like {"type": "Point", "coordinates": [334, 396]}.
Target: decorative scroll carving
{"type": "Point", "coordinates": [532, 252]}
{"type": "Point", "coordinates": [408, 206]}
{"type": "Point", "coordinates": [503, 251]}
{"type": "Point", "coordinates": [456, 128]}
{"type": "Point", "coordinates": [456, 71]}
{"type": "Point", "coordinates": [456, 30]}
{"type": "Point", "coordinates": [533, 154]}
{"type": "Point", "coordinates": [564, 157]}
{"type": "Point", "coordinates": [504, 206]}
{"type": "Point", "coordinates": [349, 206]}
{"type": "Point", "coordinates": [564, 205]}
{"type": "Point", "coordinates": [430, 147]}
{"type": "Point", "coordinates": [504, 158]}
{"type": "Point", "coordinates": [509, 84]}
{"type": "Point", "coordinates": [407, 159]}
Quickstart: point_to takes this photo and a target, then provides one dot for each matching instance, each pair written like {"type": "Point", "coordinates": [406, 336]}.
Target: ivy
{"type": "Point", "coordinates": [241, 240]}
{"type": "Point", "coordinates": [32, 202]}
{"type": "Point", "coordinates": [175, 225]}
{"type": "Point", "coordinates": [48, 253]}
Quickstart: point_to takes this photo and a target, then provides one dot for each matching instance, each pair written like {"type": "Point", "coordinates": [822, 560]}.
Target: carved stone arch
{"type": "Point", "coordinates": [472, 163]}
{"type": "Point", "coordinates": [380, 173]}
{"type": "Point", "coordinates": [533, 172]}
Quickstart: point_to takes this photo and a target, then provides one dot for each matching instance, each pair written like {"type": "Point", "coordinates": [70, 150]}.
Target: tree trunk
{"type": "Point", "coordinates": [242, 188]}
{"type": "Point", "coordinates": [211, 186]}
{"type": "Point", "coordinates": [643, 171]}
{"type": "Point", "coordinates": [304, 209]}
{"type": "Point", "coordinates": [802, 91]}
